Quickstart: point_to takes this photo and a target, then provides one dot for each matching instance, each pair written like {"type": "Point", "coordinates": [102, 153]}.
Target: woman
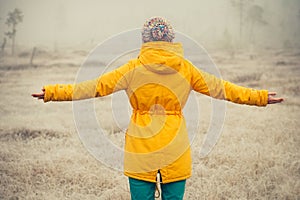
{"type": "Point", "coordinates": [158, 84]}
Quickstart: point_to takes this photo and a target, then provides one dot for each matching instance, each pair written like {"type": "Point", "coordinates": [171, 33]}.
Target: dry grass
{"type": "Point", "coordinates": [40, 164]}
{"type": "Point", "coordinates": [257, 156]}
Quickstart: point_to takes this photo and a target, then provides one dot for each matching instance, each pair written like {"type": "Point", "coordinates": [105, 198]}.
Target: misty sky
{"type": "Point", "coordinates": [77, 22]}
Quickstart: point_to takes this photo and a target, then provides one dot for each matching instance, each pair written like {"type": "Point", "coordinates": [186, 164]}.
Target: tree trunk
{"type": "Point", "coordinates": [13, 40]}
{"type": "Point", "coordinates": [241, 20]}
{"type": "Point", "coordinates": [3, 45]}
{"type": "Point", "coordinates": [32, 56]}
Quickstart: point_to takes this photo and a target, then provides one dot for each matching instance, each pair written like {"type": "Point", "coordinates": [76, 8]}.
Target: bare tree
{"type": "Point", "coordinates": [241, 6]}
{"type": "Point", "coordinates": [299, 14]}
{"type": "Point", "coordinates": [13, 19]}
{"type": "Point", "coordinates": [255, 18]}
{"type": "Point", "coordinates": [298, 28]}
{"type": "Point", "coordinates": [3, 45]}
{"type": "Point", "coordinates": [228, 43]}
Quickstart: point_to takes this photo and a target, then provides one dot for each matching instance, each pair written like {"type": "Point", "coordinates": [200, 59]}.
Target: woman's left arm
{"type": "Point", "coordinates": [102, 86]}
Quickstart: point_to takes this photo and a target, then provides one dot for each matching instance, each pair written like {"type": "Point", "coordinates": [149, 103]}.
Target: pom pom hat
{"type": "Point", "coordinates": [157, 29]}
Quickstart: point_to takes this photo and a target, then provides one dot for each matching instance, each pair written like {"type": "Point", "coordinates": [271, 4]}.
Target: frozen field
{"type": "Point", "coordinates": [42, 157]}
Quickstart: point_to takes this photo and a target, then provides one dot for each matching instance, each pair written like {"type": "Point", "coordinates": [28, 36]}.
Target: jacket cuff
{"type": "Point", "coordinates": [48, 93]}
{"type": "Point", "coordinates": [264, 97]}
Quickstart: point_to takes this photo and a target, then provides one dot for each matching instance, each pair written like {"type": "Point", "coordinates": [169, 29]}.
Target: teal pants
{"type": "Point", "coordinates": [143, 190]}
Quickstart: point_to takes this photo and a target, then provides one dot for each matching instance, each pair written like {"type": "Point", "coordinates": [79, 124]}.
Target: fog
{"type": "Point", "coordinates": [251, 43]}
{"type": "Point", "coordinates": [216, 23]}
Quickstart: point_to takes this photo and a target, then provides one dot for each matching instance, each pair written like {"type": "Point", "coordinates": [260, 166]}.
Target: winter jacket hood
{"type": "Point", "coordinates": [162, 57]}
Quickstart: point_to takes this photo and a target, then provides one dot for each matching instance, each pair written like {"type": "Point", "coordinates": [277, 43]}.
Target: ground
{"type": "Point", "coordinates": [256, 157]}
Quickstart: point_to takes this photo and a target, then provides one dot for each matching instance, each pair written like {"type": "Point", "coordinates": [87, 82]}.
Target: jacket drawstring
{"type": "Point", "coordinates": [158, 181]}
{"type": "Point", "coordinates": [157, 192]}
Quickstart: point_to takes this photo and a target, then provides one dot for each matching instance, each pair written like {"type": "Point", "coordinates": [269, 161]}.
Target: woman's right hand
{"type": "Point", "coordinates": [39, 95]}
{"type": "Point", "coordinates": [272, 99]}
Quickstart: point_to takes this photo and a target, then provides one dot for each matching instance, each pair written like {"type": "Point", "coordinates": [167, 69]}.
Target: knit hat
{"type": "Point", "coordinates": [157, 29]}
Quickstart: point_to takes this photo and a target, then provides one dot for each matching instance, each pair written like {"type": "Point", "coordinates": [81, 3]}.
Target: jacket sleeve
{"type": "Point", "coordinates": [217, 88]}
{"type": "Point", "coordinates": [104, 85]}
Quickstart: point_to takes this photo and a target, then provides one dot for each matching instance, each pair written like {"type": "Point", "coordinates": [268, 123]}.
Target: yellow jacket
{"type": "Point", "coordinates": [158, 84]}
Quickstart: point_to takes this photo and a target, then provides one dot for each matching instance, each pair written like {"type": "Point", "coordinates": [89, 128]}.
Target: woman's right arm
{"type": "Point", "coordinates": [210, 85]}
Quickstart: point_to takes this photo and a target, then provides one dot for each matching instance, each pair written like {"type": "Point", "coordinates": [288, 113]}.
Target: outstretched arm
{"type": "Point", "coordinates": [217, 88]}
{"type": "Point", "coordinates": [70, 92]}
{"type": "Point", "coordinates": [102, 86]}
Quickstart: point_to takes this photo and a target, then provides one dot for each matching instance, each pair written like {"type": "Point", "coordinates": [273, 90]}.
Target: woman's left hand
{"type": "Point", "coordinates": [40, 95]}
{"type": "Point", "coordinates": [272, 99]}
